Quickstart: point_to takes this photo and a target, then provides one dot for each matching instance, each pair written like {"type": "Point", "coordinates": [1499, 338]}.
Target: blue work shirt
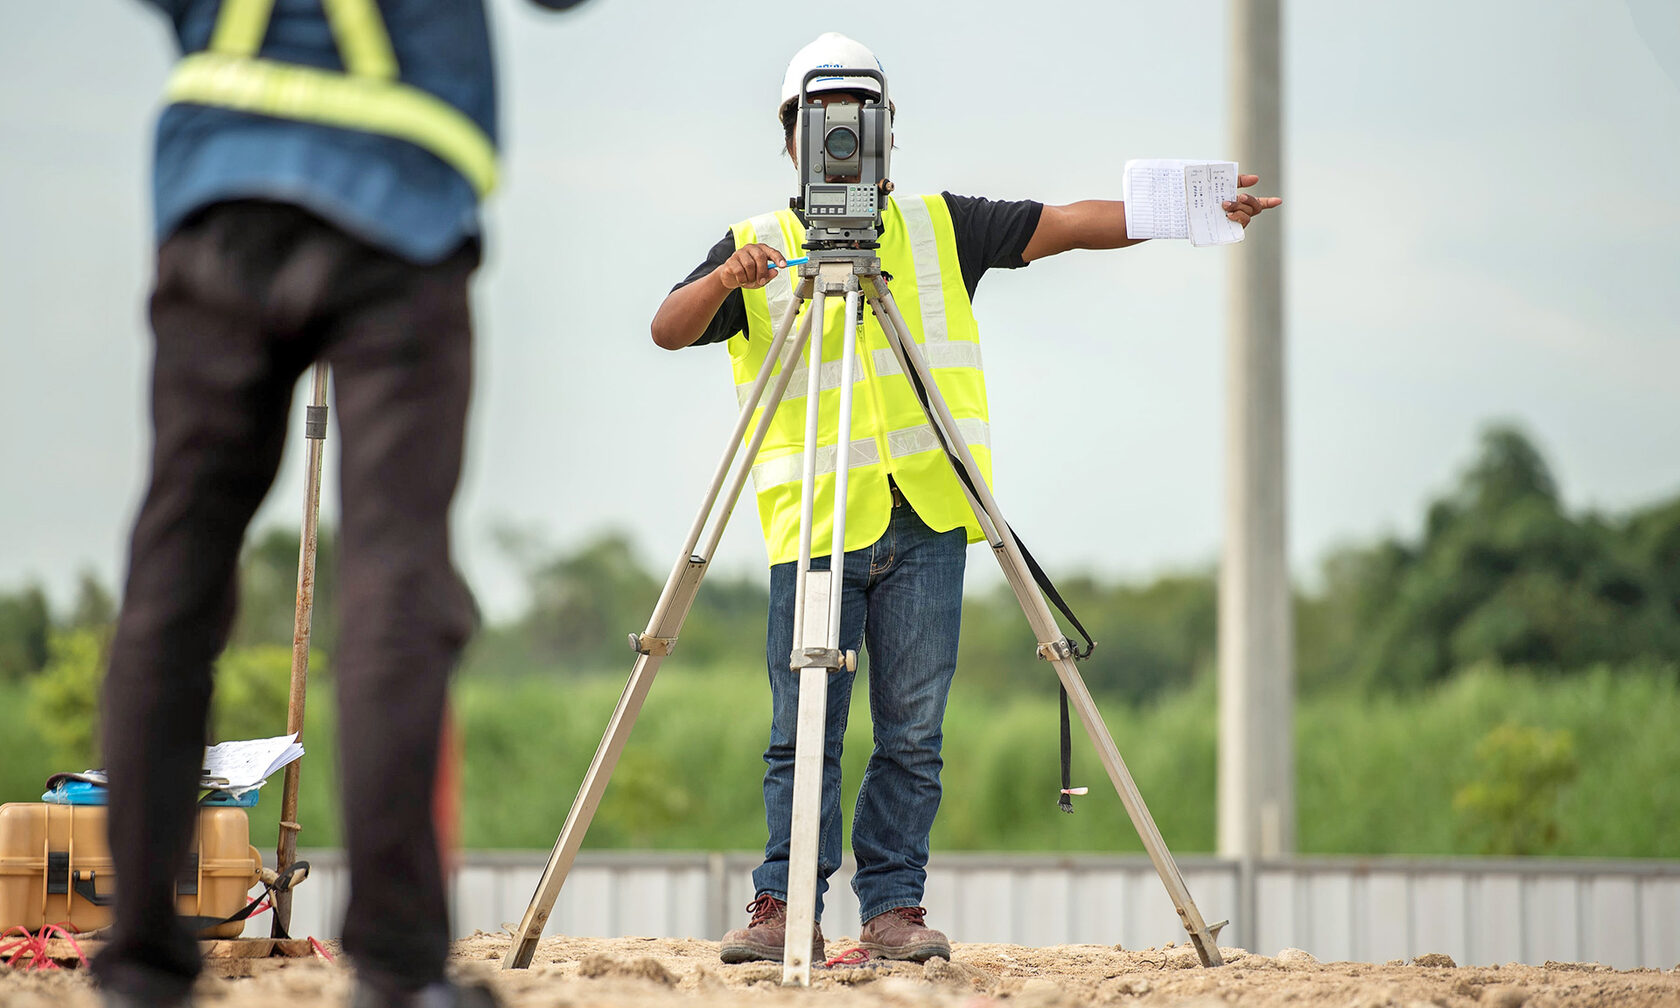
{"type": "Point", "coordinates": [387, 192]}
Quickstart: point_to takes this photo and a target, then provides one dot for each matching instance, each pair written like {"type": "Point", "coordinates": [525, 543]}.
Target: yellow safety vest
{"type": "Point", "coordinates": [367, 96]}
{"type": "Point", "coordinates": [890, 434]}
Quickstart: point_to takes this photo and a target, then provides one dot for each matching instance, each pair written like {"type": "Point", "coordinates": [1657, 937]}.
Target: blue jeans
{"type": "Point", "coordinates": [902, 602]}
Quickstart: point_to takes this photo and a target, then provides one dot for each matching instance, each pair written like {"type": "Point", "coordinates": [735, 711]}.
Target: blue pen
{"type": "Point", "coordinates": [790, 262]}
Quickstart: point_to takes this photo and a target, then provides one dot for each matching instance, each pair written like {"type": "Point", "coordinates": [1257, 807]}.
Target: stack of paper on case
{"type": "Point", "coordinates": [237, 767]}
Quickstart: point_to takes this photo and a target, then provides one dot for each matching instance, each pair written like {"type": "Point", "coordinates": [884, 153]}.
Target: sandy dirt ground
{"type": "Point", "coordinates": [648, 972]}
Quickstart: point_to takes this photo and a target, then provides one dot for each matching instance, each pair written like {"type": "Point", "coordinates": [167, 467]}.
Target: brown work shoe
{"type": "Point", "coordinates": [901, 934]}
{"type": "Point", "coordinates": [765, 935]}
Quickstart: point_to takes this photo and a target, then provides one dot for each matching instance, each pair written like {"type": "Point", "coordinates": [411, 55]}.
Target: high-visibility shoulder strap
{"type": "Point", "coordinates": [240, 26]}
{"type": "Point", "coordinates": [363, 43]}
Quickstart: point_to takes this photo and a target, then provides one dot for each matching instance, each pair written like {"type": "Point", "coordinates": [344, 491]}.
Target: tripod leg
{"type": "Point", "coordinates": [817, 617]}
{"type": "Point", "coordinates": [654, 644]}
{"type": "Point", "coordinates": [1053, 645]}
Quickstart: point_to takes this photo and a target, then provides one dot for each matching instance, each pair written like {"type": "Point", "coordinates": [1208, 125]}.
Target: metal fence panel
{"type": "Point", "coordinates": [1479, 911]}
{"type": "Point", "coordinates": [1384, 924]}
{"type": "Point", "coordinates": [1496, 904]}
{"type": "Point", "coordinates": [1659, 922]}
{"type": "Point", "coordinates": [1438, 902]}
{"type": "Point", "coordinates": [1552, 918]}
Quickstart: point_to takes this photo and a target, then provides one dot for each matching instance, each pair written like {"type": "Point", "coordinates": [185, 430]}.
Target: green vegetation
{"type": "Point", "coordinates": [1506, 683]}
{"type": "Point", "coordinates": [1493, 761]}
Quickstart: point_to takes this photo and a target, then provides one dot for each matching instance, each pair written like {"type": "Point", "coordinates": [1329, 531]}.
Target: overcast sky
{"type": "Point", "coordinates": [1478, 225]}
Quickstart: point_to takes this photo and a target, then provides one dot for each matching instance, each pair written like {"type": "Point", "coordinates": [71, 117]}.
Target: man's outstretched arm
{"type": "Point", "coordinates": [1101, 224]}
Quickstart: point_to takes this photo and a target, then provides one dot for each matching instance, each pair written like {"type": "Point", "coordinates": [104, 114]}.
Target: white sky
{"type": "Point", "coordinates": [1478, 225]}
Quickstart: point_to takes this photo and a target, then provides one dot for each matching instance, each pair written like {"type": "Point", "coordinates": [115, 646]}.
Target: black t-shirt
{"type": "Point", "coordinates": [991, 234]}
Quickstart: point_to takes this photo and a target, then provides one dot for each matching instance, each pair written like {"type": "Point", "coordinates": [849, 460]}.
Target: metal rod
{"type": "Point", "coordinates": [315, 431]}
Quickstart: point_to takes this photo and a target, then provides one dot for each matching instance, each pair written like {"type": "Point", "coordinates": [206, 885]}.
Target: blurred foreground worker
{"type": "Point", "coordinates": [908, 523]}
{"type": "Point", "coordinates": [317, 180]}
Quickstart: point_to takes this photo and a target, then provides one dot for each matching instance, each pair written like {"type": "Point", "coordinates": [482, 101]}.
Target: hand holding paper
{"type": "Point", "coordinates": [1198, 200]}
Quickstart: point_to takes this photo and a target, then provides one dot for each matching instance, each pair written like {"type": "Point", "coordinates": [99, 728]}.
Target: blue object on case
{"type": "Point", "coordinates": [246, 800]}
{"type": "Point", "coordinates": [75, 792]}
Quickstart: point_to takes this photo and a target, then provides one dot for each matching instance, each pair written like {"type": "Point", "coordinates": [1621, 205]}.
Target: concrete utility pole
{"type": "Point", "coordinates": [1256, 647]}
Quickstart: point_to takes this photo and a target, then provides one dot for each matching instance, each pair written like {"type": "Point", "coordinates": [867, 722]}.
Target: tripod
{"type": "Point", "coordinates": [852, 273]}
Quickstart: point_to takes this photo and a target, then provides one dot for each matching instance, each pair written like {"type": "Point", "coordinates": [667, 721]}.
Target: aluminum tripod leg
{"type": "Point", "coordinates": [659, 638]}
{"type": "Point", "coordinates": [1053, 645]}
{"type": "Point", "coordinates": [816, 617]}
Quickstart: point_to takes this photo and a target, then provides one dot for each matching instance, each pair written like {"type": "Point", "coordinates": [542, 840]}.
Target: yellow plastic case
{"type": "Point", "coordinates": [55, 868]}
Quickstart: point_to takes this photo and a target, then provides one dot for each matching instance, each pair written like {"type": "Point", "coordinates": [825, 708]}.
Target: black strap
{"type": "Point", "coordinates": [197, 924]}
{"type": "Point", "coordinates": [1065, 802]}
{"type": "Point", "coordinates": [296, 872]}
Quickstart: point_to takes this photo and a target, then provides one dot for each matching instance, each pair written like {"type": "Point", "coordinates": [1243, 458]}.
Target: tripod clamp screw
{"type": "Point", "coordinates": [832, 659]}
{"type": "Point", "coordinates": [650, 645]}
{"type": "Point", "coordinates": [1055, 650]}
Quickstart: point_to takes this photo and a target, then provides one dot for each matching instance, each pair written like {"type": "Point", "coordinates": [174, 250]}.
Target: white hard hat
{"type": "Point", "coordinates": [830, 49]}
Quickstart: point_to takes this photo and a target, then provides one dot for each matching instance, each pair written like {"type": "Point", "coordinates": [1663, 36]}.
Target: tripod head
{"type": "Point", "coordinates": [843, 149]}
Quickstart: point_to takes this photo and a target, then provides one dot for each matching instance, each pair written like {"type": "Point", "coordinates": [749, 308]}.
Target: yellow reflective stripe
{"type": "Point", "coordinates": [363, 43]}
{"type": "Point", "coordinates": [791, 468]}
{"type": "Point", "coordinates": [938, 355]}
{"type": "Point", "coordinates": [240, 27]}
{"type": "Point", "coordinates": [924, 253]}
{"type": "Point", "coordinates": [828, 379]}
{"type": "Point", "coordinates": [767, 230]}
{"type": "Point", "coordinates": [959, 313]}
{"type": "Point", "coordinates": [921, 438]}
{"type": "Point", "coordinates": [307, 94]}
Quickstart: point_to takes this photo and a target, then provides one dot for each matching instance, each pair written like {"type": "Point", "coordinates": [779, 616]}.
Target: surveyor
{"type": "Point", "coordinates": [317, 177]}
{"type": "Point", "coordinates": [907, 524]}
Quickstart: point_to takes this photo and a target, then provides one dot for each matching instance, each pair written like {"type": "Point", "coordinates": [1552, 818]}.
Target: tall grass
{"type": "Point", "coordinates": [1375, 775]}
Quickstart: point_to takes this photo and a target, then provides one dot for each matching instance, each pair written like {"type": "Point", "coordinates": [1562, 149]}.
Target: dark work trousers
{"type": "Point", "coordinates": [248, 294]}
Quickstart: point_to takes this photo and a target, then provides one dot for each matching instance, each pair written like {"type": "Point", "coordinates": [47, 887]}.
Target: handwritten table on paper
{"type": "Point", "coordinates": [1180, 198]}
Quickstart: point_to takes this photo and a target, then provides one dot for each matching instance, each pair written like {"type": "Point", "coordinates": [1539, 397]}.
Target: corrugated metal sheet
{"type": "Point", "coordinates": [1622, 913]}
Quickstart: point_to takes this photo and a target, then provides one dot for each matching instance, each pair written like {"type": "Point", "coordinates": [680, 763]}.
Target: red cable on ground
{"type": "Point", "coordinates": [74, 944]}
{"type": "Point", "coordinates": [7, 950]}
{"type": "Point", "coordinates": [34, 944]}
{"type": "Point", "coordinates": [31, 944]}
{"type": "Point", "coordinates": [851, 957]}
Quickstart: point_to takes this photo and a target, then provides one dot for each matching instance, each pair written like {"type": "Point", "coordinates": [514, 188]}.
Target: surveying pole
{"type": "Point", "coordinates": [1256, 677]}
{"type": "Point", "coordinates": [315, 431]}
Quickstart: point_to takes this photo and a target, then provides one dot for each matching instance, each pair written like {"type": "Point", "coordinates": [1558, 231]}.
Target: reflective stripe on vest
{"type": "Point", "coordinates": [910, 441]}
{"type": "Point", "coordinates": [890, 434]}
{"type": "Point", "coordinates": [367, 97]}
